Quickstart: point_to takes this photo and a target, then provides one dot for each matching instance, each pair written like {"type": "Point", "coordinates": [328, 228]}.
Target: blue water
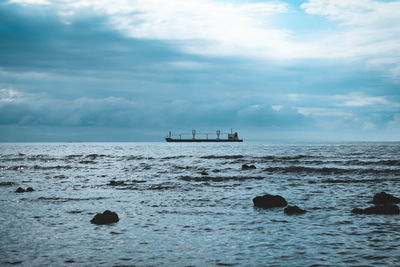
{"type": "Point", "coordinates": [172, 215]}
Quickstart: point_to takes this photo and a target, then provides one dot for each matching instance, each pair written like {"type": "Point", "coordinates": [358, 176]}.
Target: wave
{"type": "Point", "coordinates": [135, 158]}
{"type": "Point", "coordinates": [66, 199]}
{"type": "Point", "coordinates": [219, 178]}
{"type": "Point", "coordinates": [377, 162]}
{"type": "Point", "coordinates": [391, 163]}
{"type": "Point", "coordinates": [329, 170]}
{"type": "Point", "coordinates": [35, 167]}
{"type": "Point", "coordinates": [296, 157]}
{"type": "Point", "coordinates": [7, 183]}
{"type": "Point", "coordinates": [176, 157]}
{"type": "Point", "coordinates": [349, 181]}
{"type": "Point", "coordinates": [14, 168]}
{"type": "Point", "coordinates": [222, 157]}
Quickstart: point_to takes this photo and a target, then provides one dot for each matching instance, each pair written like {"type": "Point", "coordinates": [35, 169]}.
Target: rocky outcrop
{"type": "Point", "coordinates": [269, 201]}
{"type": "Point", "coordinates": [379, 209]}
{"type": "Point", "coordinates": [292, 210]}
{"type": "Point", "coordinates": [21, 190]}
{"type": "Point", "coordinates": [106, 217]}
{"type": "Point", "coordinates": [384, 198]}
{"type": "Point", "coordinates": [248, 167]}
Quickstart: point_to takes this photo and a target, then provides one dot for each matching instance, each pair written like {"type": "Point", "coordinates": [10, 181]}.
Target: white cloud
{"type": "Point", "coordinates": [30, 2]}
{"type": "Point", "coordinates": [10, 96]}
{"type": "Point", "coordinates": [208, 27]}
{"type": "Point", "coordinates": [365, 101]}
{"type": "Point", "coordinates": [359, 99]}
{"type": "Point", "coordinates": [293, 97]}
{"type": "Point", "coordinates": [205, 27]}
{"type": "Point", "coordinates": [276, 107]}
{"type": "Point", "coordinates": [325, 112]}
{"type": "Point", "coordinates": [27, 75]}
{"type": "Point", "coordinates": [188, 65]}
{"type": "Point", "coordinates": [368, 31]}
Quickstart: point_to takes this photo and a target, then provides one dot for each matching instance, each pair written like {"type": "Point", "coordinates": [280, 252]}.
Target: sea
{"type": "Point", "coordinates": [190, 204]}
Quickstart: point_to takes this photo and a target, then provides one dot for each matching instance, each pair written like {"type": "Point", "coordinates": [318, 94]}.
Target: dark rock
{"type": "Point", "coordinates": [269, 201]}
{"type": "Point", "coordinates": [204, 173]}
{"type": "Point", "coordinates": [105, 218]}
{"type": "Point", "coordinates": [290, 210]}
{"type": "Point", "coordinates": [29, 189]}
{"type": "Point", "coordinates": [20, 190]}
{"type": "Point", "coordinates": [248, 167]}
{"type": "Point", "coordinates": [115, 183]}
{"type": "Point", "coordinates": [379, 209]}
{"type": "Point", "coordinates": [384, 198]}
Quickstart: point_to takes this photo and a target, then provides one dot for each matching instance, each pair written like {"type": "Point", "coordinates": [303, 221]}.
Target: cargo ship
{"type": "Point", "coordinates": [231, 137]}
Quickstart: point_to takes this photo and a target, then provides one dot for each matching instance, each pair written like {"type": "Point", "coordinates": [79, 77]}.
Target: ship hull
{"type": "Point", "coordinates": [171, 140]}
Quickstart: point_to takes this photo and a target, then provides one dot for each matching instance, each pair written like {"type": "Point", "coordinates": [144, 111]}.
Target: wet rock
{"type": "Point", "coordinates": [204, 173]}
{"type": "Point", "coordinates": [379, 209]}
{"type": "Point", "coordinates": [29, 189]}
{"type": "Point", "coordinates": [248, 167]}
{"type": "Point", "coordinates": [106, 217]}
{"type": "Point", "coordinates": [384, 198]}
{"type": "Point", "coordinates": [20, 190]}
{"type": "Point", "coordinates": [290, 210]}
{"type": "Point", "coordinates": [269, 201]}
{"type": "Point", "coordinates": [115, 183]}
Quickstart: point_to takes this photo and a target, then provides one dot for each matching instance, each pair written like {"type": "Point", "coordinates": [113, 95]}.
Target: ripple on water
{"type": "Point", "coordinates": [191, 204]}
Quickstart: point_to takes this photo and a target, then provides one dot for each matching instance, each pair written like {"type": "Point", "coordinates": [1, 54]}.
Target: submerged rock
{"type": "Point", "coordinates": [115, 183]}
{"type": "Point", "coordinates": [204, 173]}
{"type": "Point", "coordinates": [29, 189]}
{"type": "Point", "coordinates": [248, 167]}
{"type": "Point", "coordinates": [106, 217]}
{"type": "Point", "coordinates": [290, 210]}
{"type": "Point", "coordinates": [384, 198]}
{"type": "Point", "coordinates": [379, 209]}
{"type": "Point", "coordinates": [269, 201]}
{"type": "Point", "coordinates": [20, 190]}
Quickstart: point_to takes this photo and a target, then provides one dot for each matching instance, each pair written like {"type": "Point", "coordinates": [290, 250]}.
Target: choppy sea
{"type": "Point", "coordinates": [191, 204]}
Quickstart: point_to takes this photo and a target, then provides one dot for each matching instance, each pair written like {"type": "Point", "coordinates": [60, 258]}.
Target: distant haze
{"type": "Point", "coordinates": [316, 70]}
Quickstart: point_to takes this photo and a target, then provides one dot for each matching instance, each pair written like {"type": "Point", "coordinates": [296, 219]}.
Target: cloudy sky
{"type": "Point", "coordinates": [131, 70]}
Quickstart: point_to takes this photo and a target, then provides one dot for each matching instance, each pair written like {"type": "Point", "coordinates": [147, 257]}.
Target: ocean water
{"type": "Point", "coordinates": [173, 215]}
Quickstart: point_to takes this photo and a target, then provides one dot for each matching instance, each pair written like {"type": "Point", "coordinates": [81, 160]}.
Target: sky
{"type": "Point", "coordinates": [132, 70]}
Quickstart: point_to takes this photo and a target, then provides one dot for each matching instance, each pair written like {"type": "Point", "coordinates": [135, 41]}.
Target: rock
{"type": "Point", "coordinates": [269, 201]}
{"type": "Point", "coordinates": [248, 167]}
{"type": "Point", "coordinates": [290, 210]}
{"type": "Point", "coordinates": [106, 217]}
{"type": "Point", "coordinates": [20, 190]}
{"type": "Point", "coordinates": [379, 209]}
{"type": "Point", "coordinates": [29, 189]}
{"type": "Point", "coordinates": [204, 173]}
{"type": "Point", "coordinates": [115, 183]}
{"type": "Point", "coordinates": [384, 198]}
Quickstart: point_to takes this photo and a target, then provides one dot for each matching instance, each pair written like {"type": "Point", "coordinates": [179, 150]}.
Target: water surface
{"type": "Point", "coordinates": [191, 204]}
